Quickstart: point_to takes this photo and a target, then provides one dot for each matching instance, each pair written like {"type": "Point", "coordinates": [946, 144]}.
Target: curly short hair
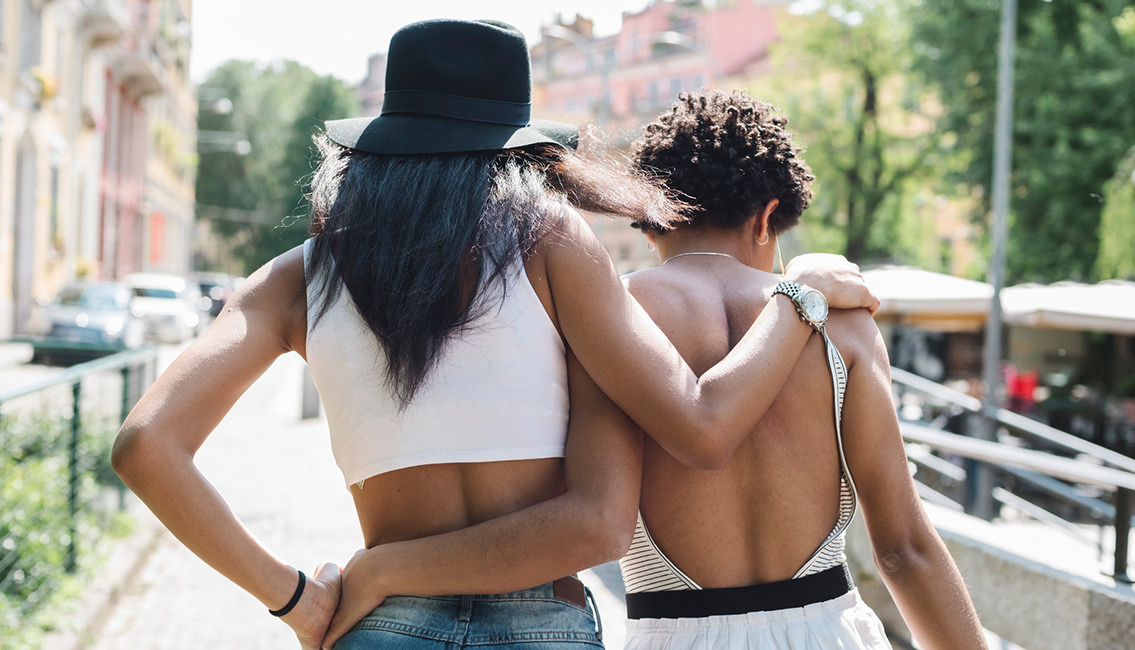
{"type": "Point", "coordinates": [728, 155]}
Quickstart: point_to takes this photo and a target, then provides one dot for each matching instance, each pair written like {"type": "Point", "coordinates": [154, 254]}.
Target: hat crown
{"type": "Point", "coordinates": [479, 59]}
{"type": "Point", "coordinates": [454, 86]}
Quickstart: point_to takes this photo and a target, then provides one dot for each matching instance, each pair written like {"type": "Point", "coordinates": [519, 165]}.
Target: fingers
{"type": "Point", "coordinates": [342, 623]}
{"type": "Point", "coordinates": [328, 572]}
{"type": "Point", "coordinates": [351, 609]}
{"type": "Point", "coordinates": [359, 554]}
{"type": "Point", "coordinates": [840, 280]}
{"type": "Point", "coordinates": [330, 575]}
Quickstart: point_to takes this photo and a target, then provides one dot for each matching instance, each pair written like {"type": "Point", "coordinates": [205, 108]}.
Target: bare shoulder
{"type": "Point", "coordinates": [276, 293]}
{"type": "Point", "coordinates": [855, 333]}
{"type": "Point", "coordinates": [566, 228]}
{"type": "Point", "coordinates": [658, 290]}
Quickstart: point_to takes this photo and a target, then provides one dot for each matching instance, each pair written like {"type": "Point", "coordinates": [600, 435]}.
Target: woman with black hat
{"type": "Point", "coordinates": [447, 294]}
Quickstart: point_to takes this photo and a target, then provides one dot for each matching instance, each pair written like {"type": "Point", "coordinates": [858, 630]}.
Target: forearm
{"type": "Point", "coordinates": [169, 484]}
{"type": "Point", "coordinates": [733, 395]}
{"type": "Point", "coordinates": [516, 551]}
{"type": "Point", "coordinates": [932, 597]}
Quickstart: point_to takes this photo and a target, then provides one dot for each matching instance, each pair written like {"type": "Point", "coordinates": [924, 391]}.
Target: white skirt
{"type": "Point", "coordinates": [846, 623]}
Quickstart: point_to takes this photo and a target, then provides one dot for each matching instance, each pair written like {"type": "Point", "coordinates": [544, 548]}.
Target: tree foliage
{"type": "Point", "coordinates": [1073, 118]}
{"type": "Point", "coordinates": [257, 201]}
{"type": "Point", "coordinates": [861, 119]}
{"type": "Point", "coordinates": [1117, 223]}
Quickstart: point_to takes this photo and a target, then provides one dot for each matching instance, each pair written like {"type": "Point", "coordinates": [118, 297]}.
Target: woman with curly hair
{"type": "Point", "coordinates": [748, 550]}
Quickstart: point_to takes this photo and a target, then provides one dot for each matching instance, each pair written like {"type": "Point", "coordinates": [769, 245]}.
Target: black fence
{"type": "Point", "coordinates": [59, 498]}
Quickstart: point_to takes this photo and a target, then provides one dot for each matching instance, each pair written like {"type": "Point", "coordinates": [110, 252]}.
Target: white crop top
{"type": "Point", "coordinates": [498, 391]}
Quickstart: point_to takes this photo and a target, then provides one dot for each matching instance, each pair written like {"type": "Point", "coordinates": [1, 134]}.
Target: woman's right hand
{"type": "Point", "coordinates": [312, 614]}
{"type": "Point", "coordinates": [834, 276]}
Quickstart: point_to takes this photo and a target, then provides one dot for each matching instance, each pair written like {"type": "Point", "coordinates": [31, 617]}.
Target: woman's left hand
{"type": "Point", "coordinates": [312, 614]}
{"type": "Point", "coordinates": [359, 596]}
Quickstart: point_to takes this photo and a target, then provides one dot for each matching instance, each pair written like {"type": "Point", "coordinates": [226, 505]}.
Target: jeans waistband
{"type": "Point", "coordinates": [785, 594]}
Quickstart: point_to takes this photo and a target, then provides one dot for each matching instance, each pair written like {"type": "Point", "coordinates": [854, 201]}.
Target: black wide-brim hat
{"type": "Point", "coordinates": [454, 86]}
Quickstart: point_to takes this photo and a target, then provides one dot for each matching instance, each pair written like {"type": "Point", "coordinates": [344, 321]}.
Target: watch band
{"type": "Point", "coordinates": [795, 293]}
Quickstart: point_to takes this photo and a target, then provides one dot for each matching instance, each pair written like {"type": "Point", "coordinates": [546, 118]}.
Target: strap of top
{"type": "Point", "coordinates": [831, 551]}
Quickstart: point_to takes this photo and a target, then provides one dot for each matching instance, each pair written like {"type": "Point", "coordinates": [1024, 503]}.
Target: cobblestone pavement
{"type": "Point", "coordinates": [278, 476]}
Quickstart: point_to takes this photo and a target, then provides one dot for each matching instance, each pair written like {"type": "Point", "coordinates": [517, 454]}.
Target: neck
{"type": "Point", "coordinates": [735, 243]}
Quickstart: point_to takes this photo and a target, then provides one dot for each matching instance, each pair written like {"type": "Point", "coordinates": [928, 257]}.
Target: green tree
{"type": "Point", "coordinates": [1074, 69]}
{"type": "Point", "coordinates": [256, 201]}
{"type": "Point", "coordinates": [1117, 223]}
{"type": "Point", "coordinates": [844, 87]}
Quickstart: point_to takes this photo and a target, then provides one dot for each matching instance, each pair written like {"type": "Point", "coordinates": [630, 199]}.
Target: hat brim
{"type": "Point", "coordinates": [404, 133]}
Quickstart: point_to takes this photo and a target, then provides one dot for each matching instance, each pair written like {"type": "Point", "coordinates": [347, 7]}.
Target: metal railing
{"type": "Point", "coordinates": [1055, 476]}
{"type": "Point", "coordinates": [58, 493]}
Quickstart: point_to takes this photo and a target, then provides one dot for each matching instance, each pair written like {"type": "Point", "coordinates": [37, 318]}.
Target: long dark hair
{"type": "Point", "coordinates": [416, 239]}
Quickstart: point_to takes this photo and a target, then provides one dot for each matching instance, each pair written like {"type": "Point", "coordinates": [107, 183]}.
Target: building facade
{"type": "Point", "coordinates": [97, 142]}
{"type": "Point", "coordinates": [372, 87]}
{"type": "Point", "coordinates": [620, 82]}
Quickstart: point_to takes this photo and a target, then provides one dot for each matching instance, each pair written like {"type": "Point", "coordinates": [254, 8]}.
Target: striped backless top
{"type": "Point", "coordinates": [646, 568]}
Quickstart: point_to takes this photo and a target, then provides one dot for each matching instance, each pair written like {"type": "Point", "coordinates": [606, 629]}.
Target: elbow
{"type": "Point", "coordinates": [128, 457]}
{"type": "Point", "coordinates": [707, 447]}
{"type": "Point", "coordinates": [618, 539]}
{"type": "Point", "coordinates": [893, 562]}
{"type": "Point", "coordinates": [607, 535]}
{"type": "Point", "coordinates": [898, 562]}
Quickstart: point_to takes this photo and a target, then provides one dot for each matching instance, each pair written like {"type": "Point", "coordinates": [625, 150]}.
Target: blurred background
{"type": "Point", "coordinates": [155, 152]}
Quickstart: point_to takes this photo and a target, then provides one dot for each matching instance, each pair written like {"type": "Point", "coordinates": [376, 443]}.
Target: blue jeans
{"type": "Point", "coordinates": [533, 619]}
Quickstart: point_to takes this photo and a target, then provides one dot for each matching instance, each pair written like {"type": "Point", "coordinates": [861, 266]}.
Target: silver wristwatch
{"type": "Point", "coordinates": [810, 303]}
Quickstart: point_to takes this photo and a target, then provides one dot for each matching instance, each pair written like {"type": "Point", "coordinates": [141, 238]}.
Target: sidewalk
{"type": "Point", "coordinates": [278, 475]}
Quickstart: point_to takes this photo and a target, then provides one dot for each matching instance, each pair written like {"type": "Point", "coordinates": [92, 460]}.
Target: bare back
{"type": "Point", "coordinates": [762, 515]}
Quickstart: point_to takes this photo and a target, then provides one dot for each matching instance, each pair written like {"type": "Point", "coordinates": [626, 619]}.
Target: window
{"type": "Point", "coordinates": [652, 93]}
{"type": "Point", "coordinates": [675, 87]}
{"type": "Point", "coordinates": [59, 60]}
{"type": "Point", "coordinates": [699, 82]}
{"type": "Point", "coordinates": [31, 31]}
{"type": "Point", "coordinates": [56, 239]}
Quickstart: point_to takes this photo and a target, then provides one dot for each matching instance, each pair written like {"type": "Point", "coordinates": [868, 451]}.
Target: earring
{"type": "Point", "coordinates": [762, 243]}
{"type": "Point", "coordinates": [650, 246]}
{"type": "Point", "coordinates": [780, 256]}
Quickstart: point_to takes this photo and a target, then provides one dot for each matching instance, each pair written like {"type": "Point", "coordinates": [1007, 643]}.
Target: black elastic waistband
{"type": "Point", "coordinates": [786, 594]}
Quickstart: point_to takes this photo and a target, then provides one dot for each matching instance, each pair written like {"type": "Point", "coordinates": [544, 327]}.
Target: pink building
{"type": "Point", "coordinates": [148, 174]}
{"type": "Point", "coordinates": [620, 82]}
{"type": "Point", "coordinates": [665, 49]}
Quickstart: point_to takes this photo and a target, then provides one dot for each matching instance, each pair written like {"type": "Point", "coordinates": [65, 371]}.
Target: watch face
{"type": "Point", "coordinates": [815, 305]}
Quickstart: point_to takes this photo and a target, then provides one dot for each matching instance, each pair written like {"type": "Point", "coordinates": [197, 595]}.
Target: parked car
{"type": "Point", "coordinates": [216, 288]}
{"type": "Point", "coordinates": [168, 304]}
{"type": "Point", "coordinates": [86, 320]}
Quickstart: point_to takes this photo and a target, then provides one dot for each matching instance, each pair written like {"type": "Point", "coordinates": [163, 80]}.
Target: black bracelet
{"type": "Point", "coordinates": [295, 597]}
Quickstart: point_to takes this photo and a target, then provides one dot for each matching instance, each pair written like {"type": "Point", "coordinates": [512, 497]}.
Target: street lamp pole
{"type": "Point", "coordinates": [692, 44]}
{"type": "Point", "coordinates": [1002, 157]}
{"type": "Point", "coordinates": [593, 62]}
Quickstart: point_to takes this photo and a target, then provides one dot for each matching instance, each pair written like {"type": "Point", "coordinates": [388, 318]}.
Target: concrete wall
{"type": "Point", "coordinates": [1028, 601]}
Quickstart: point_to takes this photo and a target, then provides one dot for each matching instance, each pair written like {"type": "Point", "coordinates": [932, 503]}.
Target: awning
{"type": "Point", "coordinates": [923, 298]}
{"type": "Point", "coordinates": [926, 299]}
{"type": "Point", "coordinates": [1105, 307]}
